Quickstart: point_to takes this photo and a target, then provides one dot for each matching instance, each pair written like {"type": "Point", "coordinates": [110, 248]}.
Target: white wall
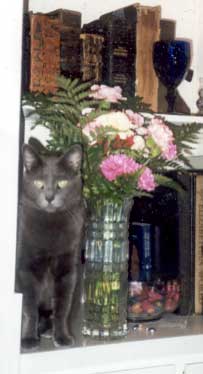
{"type": "Point", "coordinates": [90, 9]}
{"type": "Point", "coordinates": [10, 78]}
{"type": "Point", "coordinates": [188, 15]}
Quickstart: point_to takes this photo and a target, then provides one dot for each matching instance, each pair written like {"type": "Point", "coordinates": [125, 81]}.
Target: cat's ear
{"type": "Point", "coordinates": [31, 159]}
{"type": "Point", "coordinates": [37, 145]}
{"type": "Point", "coordinates": [72, 158]}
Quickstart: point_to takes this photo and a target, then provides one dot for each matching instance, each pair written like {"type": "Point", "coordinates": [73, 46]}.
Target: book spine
{"type": "Point", "coordinates": [186, 233]}
{"type": "Point", "coordinates": [199, 245]}
{"type": "Point", "coordinates": [119, 52]}
{"type": "Point", "coordinates": [91, 57]}
{"type": "Point", "coordinates": [70, 51]}
{"type": "Point", "coordinates": [70, 29]}
{"type": "Point", "coordinates": [44, 53]}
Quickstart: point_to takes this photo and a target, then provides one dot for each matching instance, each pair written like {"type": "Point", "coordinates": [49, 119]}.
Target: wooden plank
{"type": "Point", "coordinates": [199, 245]}
{"type": "Point", "coordinates": [148, 31]}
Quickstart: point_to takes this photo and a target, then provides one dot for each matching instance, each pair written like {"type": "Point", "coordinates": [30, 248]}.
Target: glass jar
{"type": "Point", "coordinates": [145, 301]}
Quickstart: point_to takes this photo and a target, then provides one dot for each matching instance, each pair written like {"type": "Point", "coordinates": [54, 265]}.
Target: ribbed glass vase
{"type": "Point", "coordinates": [106, 271]}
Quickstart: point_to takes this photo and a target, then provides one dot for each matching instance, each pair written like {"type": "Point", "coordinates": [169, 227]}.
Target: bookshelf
{"type": "Point", "coordinates": [174, 348]}
{"type": "Point", "coordinates": [147, 355]}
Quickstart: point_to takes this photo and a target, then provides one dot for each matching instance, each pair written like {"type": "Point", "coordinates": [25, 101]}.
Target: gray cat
{"type": "Point", "coordinates": [51, 227]}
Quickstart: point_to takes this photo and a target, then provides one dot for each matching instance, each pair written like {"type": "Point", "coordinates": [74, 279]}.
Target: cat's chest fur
{"type": "Point", "coordinates": [50, 234]}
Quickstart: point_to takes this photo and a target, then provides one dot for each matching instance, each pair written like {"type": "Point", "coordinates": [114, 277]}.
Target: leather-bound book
{"type": "Point", "coordinates": [70, 29]}
{"type": "Point", "coordinates": [119, 49]}
{"type": "Point", "coordinates": [44, 53]}
{"type": "Point", "coordinates": [129, 34]}
{"type": "Point", "coordinates": [91, 57]}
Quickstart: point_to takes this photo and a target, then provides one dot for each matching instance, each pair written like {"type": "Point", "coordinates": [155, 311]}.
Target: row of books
{"type": "Point", "coordinates": [51, 46]}
{"type": "Point", "coordinates": [168, 242]}
{"type": "Point", "coordinates": [115, 49]}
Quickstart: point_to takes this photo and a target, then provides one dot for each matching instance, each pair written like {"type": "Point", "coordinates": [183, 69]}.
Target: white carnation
{"type": "Point", "coordinates": [117, 120]}
{"type": "Point", "coordinates": [141, 131]}
{"type": "Point", "coordinates": [139, 143]}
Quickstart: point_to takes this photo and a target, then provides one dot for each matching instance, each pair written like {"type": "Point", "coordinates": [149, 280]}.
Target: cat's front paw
{"type": "Point", "coordinates": [63, 340]}
{"type": "Point", "coordinates": [30, 343]}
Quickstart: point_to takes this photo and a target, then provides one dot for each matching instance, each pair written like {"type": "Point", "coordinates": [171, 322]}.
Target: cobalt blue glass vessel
{"type": "Point", "coordinates": [171, 61]}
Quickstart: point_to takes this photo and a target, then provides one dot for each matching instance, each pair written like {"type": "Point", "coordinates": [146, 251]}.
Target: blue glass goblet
{"type": "Point", "coordinates": [171, 61]}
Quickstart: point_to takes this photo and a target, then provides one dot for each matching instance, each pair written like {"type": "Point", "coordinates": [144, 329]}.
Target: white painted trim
{"type": "Point", "coordinates": [116, 357]}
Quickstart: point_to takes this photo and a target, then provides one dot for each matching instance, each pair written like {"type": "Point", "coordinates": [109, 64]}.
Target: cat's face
{"type": "Point", "coordinates": [52, 183]}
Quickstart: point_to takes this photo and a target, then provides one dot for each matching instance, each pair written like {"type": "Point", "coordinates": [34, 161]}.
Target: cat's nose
{"type": "Point", "coordinates": [49, 196]}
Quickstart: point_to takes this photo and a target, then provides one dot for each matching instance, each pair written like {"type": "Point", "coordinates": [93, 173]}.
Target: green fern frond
{"type": "Point", "coordinates": [187, 132]}
{"type": "Point", "coordinates": [82, 87]}
{"type": "Point", "coordinates": [64, 83]}
{"type": "Point", "coordinates": [165, 181]}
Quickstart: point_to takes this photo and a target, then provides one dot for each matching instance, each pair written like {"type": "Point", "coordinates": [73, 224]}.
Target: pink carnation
{"type": "Point", "coordinates": [163, 137]}
{"type": "Point", "coordinates": [171, 152]}
{"type": "Point", "coordinates": [135, 118]}
{"type": "Point", "coordinates": [103, 92]}
{"type": "Point", "coordinates": [116, 165]}
{"type": "Point", "coordinates": [160, 133]}
{"type": "Point", "coordinates": [146, 180]}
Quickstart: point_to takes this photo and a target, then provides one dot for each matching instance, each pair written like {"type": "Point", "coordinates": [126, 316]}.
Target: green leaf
{"type": "Point", "coordinates": [165, 181]}
{"type": "Point", "coordinates": [154, 149]}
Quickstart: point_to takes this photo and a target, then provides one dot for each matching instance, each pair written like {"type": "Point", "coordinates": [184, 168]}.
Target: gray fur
{"type": "Point", "coordinates": [51, 228]}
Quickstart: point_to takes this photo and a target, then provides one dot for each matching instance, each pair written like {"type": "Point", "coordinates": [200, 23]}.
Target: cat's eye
{"type": "Point", "coordinates": [62, 184]}
{"type": "Point", "coordinates": [39, 184]}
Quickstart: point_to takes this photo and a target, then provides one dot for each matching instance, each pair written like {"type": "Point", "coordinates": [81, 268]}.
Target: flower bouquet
{"type": "Point", "coordinates": [126, 154]}
{"type": "Point", "coordinates": [127, 151]}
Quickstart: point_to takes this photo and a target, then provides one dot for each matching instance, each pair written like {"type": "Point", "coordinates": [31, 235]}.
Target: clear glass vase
{"type": "Point", "coordinates": [106, 271]}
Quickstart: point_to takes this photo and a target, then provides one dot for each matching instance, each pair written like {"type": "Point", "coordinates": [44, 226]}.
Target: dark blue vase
{"type": "Point", "coordinates": [171, 61]}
